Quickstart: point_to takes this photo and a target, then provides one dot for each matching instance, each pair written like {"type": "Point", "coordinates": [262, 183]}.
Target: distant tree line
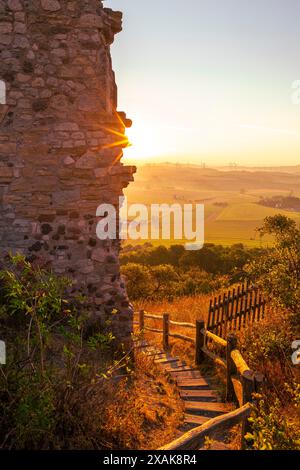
{"type": "Point", "coordinates": [162, 272]}
{"type": "Point", "coordinates": [281, 202]}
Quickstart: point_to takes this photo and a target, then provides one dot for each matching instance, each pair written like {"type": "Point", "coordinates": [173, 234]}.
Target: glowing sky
{"type": "Point", "coordinates": [210, 80]}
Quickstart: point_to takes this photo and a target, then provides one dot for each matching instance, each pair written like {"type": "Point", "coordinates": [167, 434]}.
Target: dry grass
{"type": "Point", "coordinates": [188, 309]}
{"type": "Point", "coordinates": [183, 309]}
{"type": "Point", "coordinates": [267, 348]}
{"type": "Point", "coordinates": [265, 345]}
{"type": "Point", "coordinates": [142, 412]}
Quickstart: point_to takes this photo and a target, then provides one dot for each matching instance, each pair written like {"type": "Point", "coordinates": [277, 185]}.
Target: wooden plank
{"type": "Point", "coordinates": [166, 331]}
{"type": "Point", "coordinates": [153, 330]}
{"type": "Point", "coordinates": [153, 317]}
{"type": "Point", "coordinates": [200, 341]}
{"type": "Point", "coordinates": [236, 307]}
{"type": "Point", "coordinates": [238, 389]}
{"type": "Point", "coordinates": [186, 375]}
{"type": "Point", "coordinates": [178, 364]}
{"type": "Point", "coordinates": [166, 360]}
{"type": "Point", "coordinates": [142, 320]}
{"type": "Point", "coordinates": [183, 337]}
{"type": "Point", "coordinates": [199, 406]}
{"type": "Point", "coordinates": [180, 368]}
{"type": "Point", "coordinates": [245, 311]}
{"type": "Point", "coordinates": [194, 419]}
{"type": "Point", "coordinates": [183, 324]}
{"type": "Point", "coordinates": [188, 382]}
{"type": "Point", "coordinates": [232, 309]}
{"type": "Point", "coordinates": [213, 315]}
{"type": "Point", "coordinates": [250, 308]}
{"type": "Point", "coordinates": [209, 314]}
{"type": "Point", "coordinates": [194, 439]}
{"type": "Point", "coordinates": [239, 361]}
{"type": "Point", "coordinates": [209, 394]}
{"type": "Point", "coordinates": [222, 315]}
{"type": "Point", "coordinates": [226, 315]}
{"type": "Point", "coordinates": [240, 313]}
{"type": "Point", "coordinates": [220, 341]}
{"type": "Point", "coordinates": [218, 317]}
{"type": "Point", "coordinates": [255, 306]}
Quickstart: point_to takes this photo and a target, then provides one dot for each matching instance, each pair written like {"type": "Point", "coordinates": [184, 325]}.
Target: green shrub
{"type": "Point", "coordinates": [271, 428]}
{"type": "Point", "coordinates": [277, 271]}
{"type": "Point", "coordinates": [166, 282]}
{"type": "Point", "coordinates": [50, 363]}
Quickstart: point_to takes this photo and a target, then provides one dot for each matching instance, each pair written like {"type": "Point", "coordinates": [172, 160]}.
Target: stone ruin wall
{"type": "Point", "coordinates": [61, 142]}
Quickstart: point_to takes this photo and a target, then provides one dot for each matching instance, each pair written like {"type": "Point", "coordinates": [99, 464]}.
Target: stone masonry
{"type": "Point", "coordinates": [61, 141]}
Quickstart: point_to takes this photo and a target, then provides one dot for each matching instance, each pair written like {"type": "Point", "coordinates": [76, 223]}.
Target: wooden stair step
{"type": "Point", "coordinates": [218, 445]}
{"type": "Point", "coordinates": [166, 361]}
{"type": "Point", "coordinates": [178, 367]}
{"type": "Point", "coordinates": [192, 395]}
{"type": "Point", "coordinates": [205, 408]}
{"type": "Point", "coordinates": [194, 405]}
{"type": "Point", "coordinates": [190, 383]}
{"type": "Point", "coordinates": [186, 374]}
{"type": "Point", "coordinates": [194, 419]}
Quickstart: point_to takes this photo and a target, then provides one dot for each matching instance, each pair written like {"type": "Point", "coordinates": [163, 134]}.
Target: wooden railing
{"type": "Point", "coordinates": [241, 381]}
{"type": "Point", "coordinates": [195, 439]}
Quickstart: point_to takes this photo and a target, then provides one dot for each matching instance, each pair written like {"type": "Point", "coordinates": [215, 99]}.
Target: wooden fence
{"type": "Point", "coordinates": [241, 381]}
{"type": "Point", "coordinates": [235, 310]}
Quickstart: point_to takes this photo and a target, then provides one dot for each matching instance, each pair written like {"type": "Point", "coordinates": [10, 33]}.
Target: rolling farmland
{"type": "Point", "coordinates": [232, 212]}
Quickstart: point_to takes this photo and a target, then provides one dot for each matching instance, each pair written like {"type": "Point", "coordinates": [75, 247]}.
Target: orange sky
{"type": "Point", "coordinates": [210, 83]}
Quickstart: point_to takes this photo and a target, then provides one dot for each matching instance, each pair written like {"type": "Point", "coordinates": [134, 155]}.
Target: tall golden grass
{"type": "Point", "coordinates": [188, 309]}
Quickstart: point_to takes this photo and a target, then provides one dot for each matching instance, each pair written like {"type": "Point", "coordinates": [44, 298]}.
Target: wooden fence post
{"type": "Point", "coordinates": [252, 383]}
{"type": "Point", "coordinates": [166, 329]}
{"type": "Point", "coordinates": [248, 383]}
{"type": "Point", "coordinates": [231, 368]}
{"type": "Point", "coordinates": [200, 341]}
{"type": "Point", "coordinates": [142, 320]}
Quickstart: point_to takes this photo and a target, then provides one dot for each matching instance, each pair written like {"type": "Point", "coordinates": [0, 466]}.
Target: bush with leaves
{"type": "Point", "coordinates": [49, 360]}
{"type": "Point", "coordinates": [267, 348]}
{"type": "Point", "coordinates": [271, 428]}
{"type": "Point", "coordinates": [166, 282]}
{"type": "Point", "coordinates": [278, 270]}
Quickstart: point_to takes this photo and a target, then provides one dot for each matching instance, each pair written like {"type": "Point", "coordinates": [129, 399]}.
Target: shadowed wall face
{"type": "Point", "coordinates": [61, 142]}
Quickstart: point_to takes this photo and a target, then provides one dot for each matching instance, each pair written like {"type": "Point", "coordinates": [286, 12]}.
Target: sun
{"type": "Point", "coordinates": [145, 143]}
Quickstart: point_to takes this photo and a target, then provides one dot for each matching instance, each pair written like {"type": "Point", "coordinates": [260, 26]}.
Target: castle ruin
{"type": "Point", "coordinates": [61, 141]}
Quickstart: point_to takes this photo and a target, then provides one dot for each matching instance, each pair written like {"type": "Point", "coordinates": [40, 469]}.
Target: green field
{"type": "Point", "coordinates": [236, 220]}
